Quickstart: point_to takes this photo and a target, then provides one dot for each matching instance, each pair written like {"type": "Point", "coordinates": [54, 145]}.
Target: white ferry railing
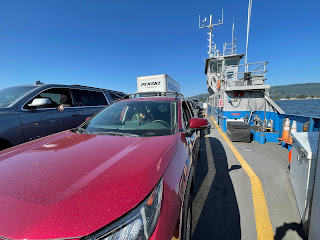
{"type": "Point", "coordinates": [257, 75]}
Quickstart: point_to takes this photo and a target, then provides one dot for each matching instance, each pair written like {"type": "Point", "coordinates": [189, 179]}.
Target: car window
{"type": "Point", "coordinates": [11, 94]}
{"type": "Point", "coordinates": [190, 109]}
{"type": "Point", "coordinates": [89, 98]}
{"type": "Point", "coordinates": [143, 118]}
{"type": "Point", "coordinates": [116, 96]}
{"type": "Point", "coordinates": [54, 94]}
{"type": "Point", "coordinates": [186, 114]}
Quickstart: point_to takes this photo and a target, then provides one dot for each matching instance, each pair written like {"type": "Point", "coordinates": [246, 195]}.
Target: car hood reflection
{"type": "Point", "coordinates": [57, 185]}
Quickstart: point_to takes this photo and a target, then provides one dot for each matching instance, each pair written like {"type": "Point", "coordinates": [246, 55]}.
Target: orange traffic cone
{"type": "Point", "coordinates": [285, 131]}
{"type": "Point", "coordinates": [290, 155]}
{"type": "Point", "coordinates": [293, 129]}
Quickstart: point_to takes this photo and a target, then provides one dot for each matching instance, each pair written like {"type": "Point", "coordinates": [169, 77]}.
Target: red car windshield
{"type": "Point", "coordinates": [135, 118]}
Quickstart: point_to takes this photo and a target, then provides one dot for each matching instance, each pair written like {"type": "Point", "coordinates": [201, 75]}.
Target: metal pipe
{"type": "Point", "coordinates": [253, 63]}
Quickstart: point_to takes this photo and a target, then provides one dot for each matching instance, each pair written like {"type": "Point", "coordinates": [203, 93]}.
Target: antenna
{"type": "Point", "coordinates": [232, 38]}
{"type": "Point", "coordinates": [248, 28]}
{"type": "Point", "coordinates": [210, 26]}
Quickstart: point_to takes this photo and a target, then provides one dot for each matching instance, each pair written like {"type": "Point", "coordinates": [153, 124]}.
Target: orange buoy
{"type": "Point", "coordinates": [290, 155]}
{"type": "Point", "coordinates": [285, 131]}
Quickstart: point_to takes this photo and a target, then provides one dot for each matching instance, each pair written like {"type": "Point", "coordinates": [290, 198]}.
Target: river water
{"type": "Point", "coordinates": [305, 107]}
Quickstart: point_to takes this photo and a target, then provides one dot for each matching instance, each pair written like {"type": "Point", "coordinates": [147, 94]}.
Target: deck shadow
{"type": "Point", "coordinates": [297, 227]}
{"type": "Point", "coordinates": [219, 217]}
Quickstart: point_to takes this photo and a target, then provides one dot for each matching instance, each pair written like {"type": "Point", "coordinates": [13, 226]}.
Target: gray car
{"type": "Point", "coordinates": [29, 112]}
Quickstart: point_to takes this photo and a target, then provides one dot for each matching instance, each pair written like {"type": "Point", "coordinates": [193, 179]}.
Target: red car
{"type": "Point", "coordinates": [126, 173]}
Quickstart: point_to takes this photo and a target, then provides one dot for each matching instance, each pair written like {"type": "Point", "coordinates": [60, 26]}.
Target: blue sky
{"type": "Point", "coordinates": [108, 43]}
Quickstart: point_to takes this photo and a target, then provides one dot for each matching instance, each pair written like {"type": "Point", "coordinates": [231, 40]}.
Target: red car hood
{"type": "Point", "coordinates": [69, 185]}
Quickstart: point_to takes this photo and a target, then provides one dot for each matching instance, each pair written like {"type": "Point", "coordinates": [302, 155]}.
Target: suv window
{"type": "Point", "coordinates": [89, 98]}
{"type": "Point", "coordinates": [11, 94]}
{"type": "Point", "coordinates": [54, 94]}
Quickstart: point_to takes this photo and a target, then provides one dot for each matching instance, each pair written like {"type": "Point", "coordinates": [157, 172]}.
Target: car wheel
{"type": "Point", "coordinates": [188, 230]}
{"type": "Point", "coordinates": [187, 219]}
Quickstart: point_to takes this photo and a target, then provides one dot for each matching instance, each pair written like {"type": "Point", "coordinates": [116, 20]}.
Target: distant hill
{"type": "Point", "coordinates": [302, 90]}
{"type": "Point", "coordinates": [295, 91]}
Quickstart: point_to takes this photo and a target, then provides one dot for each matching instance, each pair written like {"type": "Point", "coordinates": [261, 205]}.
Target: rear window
{"type": "Point", "coordinates": [89, 98]}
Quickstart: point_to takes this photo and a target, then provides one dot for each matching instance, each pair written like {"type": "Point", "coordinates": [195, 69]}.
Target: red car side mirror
{"type": "Point", "coordinates": [88, 118]}
{"type": "Point", "coordinates": [196, 124]}
{"type": "Point", "coordinates": [199, 123]}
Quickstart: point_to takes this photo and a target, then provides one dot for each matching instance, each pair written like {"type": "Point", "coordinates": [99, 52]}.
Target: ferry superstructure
{"type": "Point", "coordinates": [238, 91]}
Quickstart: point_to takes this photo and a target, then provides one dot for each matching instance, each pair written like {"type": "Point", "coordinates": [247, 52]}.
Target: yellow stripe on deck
{"type": "Point", "coordinates": [263, 223]}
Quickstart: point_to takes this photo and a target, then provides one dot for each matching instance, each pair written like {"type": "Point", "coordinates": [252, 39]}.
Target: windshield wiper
{"type": "Point", "coordinates": [117, 134]}
{"type": "Point", "coordinates": [80, 130]}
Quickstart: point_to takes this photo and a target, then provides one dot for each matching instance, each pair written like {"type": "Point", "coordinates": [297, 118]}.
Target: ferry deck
{"type": "Point", "coordinates": [246, 190]}
{"type": "Point", "coordinates": [243, 191]}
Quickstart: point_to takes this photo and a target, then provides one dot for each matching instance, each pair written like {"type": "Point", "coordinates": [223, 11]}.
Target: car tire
{"type": "Point", "coordinates": [187, 221]}
{"type": "Point", "coordinates": [186, 225]}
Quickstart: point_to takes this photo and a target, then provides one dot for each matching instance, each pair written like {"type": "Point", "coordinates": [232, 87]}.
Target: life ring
{"type": "Point", "coordinates": [218, 84]}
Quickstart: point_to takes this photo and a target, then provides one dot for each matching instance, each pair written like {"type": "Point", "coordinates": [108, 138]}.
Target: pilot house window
{"type": "Point", "coordinates": [231, 62]}
{"type": "Point", "coordinates": [216, 66]}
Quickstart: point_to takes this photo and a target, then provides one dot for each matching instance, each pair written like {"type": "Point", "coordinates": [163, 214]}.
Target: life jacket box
{"type": "Point", "coordinates": [302, 170]}
{"type": "Point", "coordinates": [238, 131]}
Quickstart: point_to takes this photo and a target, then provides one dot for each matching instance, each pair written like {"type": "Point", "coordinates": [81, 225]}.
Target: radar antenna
{"type": "Point", "coordinates": [210, 26]}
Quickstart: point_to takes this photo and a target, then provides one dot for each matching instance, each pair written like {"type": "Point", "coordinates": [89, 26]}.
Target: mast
{"type": "Point", "coordinates": [210, 26]}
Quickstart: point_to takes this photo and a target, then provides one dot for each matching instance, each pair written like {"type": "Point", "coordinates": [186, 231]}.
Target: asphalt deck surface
{"type": "Point", "coordinates": [222, 206]}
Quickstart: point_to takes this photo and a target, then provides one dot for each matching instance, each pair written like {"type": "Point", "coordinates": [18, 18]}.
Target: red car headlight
{"type": "Point", "coordinates": [138, 224]}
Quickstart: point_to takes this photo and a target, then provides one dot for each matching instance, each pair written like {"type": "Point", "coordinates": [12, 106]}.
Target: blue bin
{"type": "Point", "coordinates": [256, 136]}
{"type": "Point", "coordinates": [262, 139]}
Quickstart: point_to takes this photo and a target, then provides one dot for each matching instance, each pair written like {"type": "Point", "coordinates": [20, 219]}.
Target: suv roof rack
{"type": "Point", "coordinates": [38, 82]}
{"type": "Point", "coordinates": [154, 94]}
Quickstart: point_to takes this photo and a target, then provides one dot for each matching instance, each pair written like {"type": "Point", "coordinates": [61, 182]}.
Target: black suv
{"type": "Point", "coordinates": [31, 111]}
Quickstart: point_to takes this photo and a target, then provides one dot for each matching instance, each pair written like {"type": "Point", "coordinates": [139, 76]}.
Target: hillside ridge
{"type": "Point", "coordinates": [297, 90]}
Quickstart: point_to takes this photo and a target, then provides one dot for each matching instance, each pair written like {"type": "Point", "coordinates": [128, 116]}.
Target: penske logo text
{"type": "Point", "coordinates": [146, 84]}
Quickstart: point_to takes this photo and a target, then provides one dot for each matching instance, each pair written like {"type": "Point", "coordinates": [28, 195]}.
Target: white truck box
{"type": "Point", "coordinates": [157, 83]}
